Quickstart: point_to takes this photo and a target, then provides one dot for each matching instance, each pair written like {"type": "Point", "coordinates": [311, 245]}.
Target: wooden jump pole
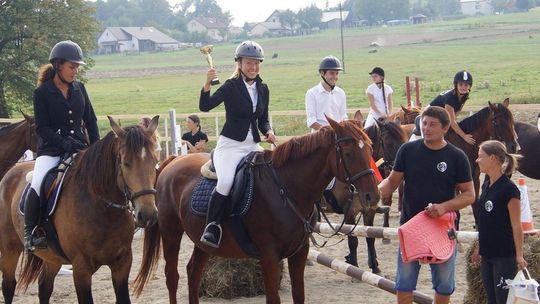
{"type": "Point", "coordinates": [380, 232]}
{"type": "Point", "coordinates": [364, 276]}
{"type": "Point", "coordinates": [417, 92]}
{"type": "Point", "coordinates": [408, 91]}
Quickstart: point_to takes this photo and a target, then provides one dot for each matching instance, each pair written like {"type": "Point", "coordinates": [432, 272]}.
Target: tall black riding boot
{"type": "Point", "coordinates": [31, 219]}
{"type": "Point", "coordinates": [212, 233]}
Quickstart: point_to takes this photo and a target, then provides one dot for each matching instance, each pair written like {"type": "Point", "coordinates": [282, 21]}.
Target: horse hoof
{"type": "Point", "coordinates": [386, 241]}
{"type": "Point", "coordinates": [376, 270]}
{"type": "Point", "coordinates": [383, 209]}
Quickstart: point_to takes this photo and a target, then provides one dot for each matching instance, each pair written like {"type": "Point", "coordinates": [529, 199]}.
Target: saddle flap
{"type": "Point", "coordinates": [426, 239]}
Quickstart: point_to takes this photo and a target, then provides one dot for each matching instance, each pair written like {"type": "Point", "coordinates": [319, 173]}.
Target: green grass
{"type": "Point", "coordinates": [498, 52]}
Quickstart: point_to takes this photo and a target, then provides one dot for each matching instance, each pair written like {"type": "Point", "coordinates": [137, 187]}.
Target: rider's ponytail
{"type": "Point", "coordinates": [45, 73]}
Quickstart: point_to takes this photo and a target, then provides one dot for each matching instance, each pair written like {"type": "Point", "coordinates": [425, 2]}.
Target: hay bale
{"type": "Point", "coordinates": [475, 291]}
{"type": "Point", "coordinates": [233, 278]}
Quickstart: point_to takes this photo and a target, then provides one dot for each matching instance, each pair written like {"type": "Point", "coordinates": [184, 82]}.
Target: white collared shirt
{"type": "Point", "coordinates": [320, 102]}
{"type": "Point", "coordinates": [252, 90]}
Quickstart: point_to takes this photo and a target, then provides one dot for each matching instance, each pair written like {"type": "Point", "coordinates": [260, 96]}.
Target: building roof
{"type": "Point", "coordinates": [275, 12]}
{"type": "Point", "coordinates": [329, 16]}
{"type": "Point", "coordinates": [210, 22]}
{"type": "Point", "coordinates": [141, 33]}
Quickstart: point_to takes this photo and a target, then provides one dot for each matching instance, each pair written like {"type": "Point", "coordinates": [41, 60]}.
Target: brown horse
{"type": "Point", "coordinates": [92, 218]}
{"type": "Point", "coordinates": [492, 122]}
{"type": "Point", "coordinates": [16, 138]}
{"type": "Point", "coordinates": [528, 139]}
{"type": "Point", "coordinates": [278, 220]}
{"type": "Point", "coordinates": [405, 116]}
{"type": "Point", "coordinates": [386, 137]}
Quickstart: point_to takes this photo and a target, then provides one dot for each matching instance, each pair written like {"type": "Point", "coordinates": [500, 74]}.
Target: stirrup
{"type": "Point", "coordinates": [207, 231]}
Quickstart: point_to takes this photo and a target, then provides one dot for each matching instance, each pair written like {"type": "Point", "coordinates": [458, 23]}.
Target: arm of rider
{"type": "Point", "coordinates": [211, 74]}
{"type": "Point", "coordinates": [200, 145]}
{"type": "Point", "coordinates": [468, 138]}
{"type": "Point", "coordinates": [465, 198]}
{"type": "Point", "coordinates": [316, 126]}
{"type": "Point", "coordinates": [514, 209]}
{"type": "Point", "coordinates": [388, 185]}
{"type": "Point", "coordinates": [270, 137]}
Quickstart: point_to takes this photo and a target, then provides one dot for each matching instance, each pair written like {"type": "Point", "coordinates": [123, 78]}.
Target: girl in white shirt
{"type": "Point", "coordinates": [379, 96]}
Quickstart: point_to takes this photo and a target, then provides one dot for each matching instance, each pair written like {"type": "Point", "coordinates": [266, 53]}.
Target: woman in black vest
{"type": "Point", "coordinates": [63, 115]}
{"type": "Point", "coordinates": [246, 100]}
{"type": "Point", "coordinates": [498, 218]}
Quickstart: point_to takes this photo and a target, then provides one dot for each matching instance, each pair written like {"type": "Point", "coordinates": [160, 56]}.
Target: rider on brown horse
{"type": "Point", "coordinates": [61, 104]}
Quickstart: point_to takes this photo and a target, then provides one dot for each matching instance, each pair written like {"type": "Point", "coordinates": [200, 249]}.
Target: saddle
{"type": "Point", "coordinates": [426, 239]}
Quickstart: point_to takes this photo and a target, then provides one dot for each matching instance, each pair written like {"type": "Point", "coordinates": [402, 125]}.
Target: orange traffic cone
{"type": "Point", "coordinates": [526, 215]}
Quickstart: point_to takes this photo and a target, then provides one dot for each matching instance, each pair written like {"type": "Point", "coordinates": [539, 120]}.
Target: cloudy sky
{"type": "Point", "coordinates": [258, 10]}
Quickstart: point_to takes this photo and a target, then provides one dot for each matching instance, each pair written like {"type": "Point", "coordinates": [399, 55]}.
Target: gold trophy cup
{"type": "Point", "coordinates": [207, 49]}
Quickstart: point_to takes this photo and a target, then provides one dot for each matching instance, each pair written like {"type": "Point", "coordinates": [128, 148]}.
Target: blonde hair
{"type": "Point", "coordinates": [236, 74]}
{"type": "Point", "coordinates": [45, 73]}
{"type": "Point", "coordinates": [507, 160]}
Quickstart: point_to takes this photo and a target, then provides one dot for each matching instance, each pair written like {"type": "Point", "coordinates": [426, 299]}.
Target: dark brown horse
{"type": "Point", "coordinates": [386, 137]}
{"type": "Point", "coordinates": [16, 138]}
{"type": "Point", "coordinates": [92, 218]}
{"type": "Point", "coordinates": [492, 122]}
{"type": "Point", "coordinates": [277, 224]}
{"type": "Point", "coordinates": [528, 139]}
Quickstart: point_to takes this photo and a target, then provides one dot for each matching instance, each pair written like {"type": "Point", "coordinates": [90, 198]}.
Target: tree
{"type": "Point", "coordinates": [525, 4]}
{"type": "Point", "coordinates": [28, 30]}
{"type": "Point", "coordinates": [310, 16]}
{"type": "Point", "coordinates": [287, 18]}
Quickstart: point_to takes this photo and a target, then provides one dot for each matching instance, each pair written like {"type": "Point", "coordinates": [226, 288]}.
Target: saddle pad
{"type": "Point", "coordinates": [426, 239]}
{"type": "Point", "coordinates": [203, 190]}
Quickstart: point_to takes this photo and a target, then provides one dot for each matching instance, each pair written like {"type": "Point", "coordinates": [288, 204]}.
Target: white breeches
{"type": "Point", "coordinates": [227, 155]}
{"type": "Point", "coordinates": [42, 165]}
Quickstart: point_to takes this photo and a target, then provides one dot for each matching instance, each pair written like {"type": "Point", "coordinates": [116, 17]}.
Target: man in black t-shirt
{"type": "Point", "coordinates": [432, 170]}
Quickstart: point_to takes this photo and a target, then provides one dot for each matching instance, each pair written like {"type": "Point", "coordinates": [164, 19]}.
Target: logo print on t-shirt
{"type": "Point", "coordinates": [442, 166]}
{"type": "Point", "coordinates": [489, 206]}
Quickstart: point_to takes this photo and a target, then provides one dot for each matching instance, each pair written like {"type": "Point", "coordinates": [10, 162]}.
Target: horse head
{"type": "Point", "coordinates": [502, 125]}
{"type": "Point", "coordinates": [136, 168]}
{"type": "Point", "coordinates": [351, 161]}
{"type": "Point", "coordinates": [391, 138]}
{"type": "Point", "coordinates": [409, 115]}
{"type": "Point", "coordinates": [31, 138]}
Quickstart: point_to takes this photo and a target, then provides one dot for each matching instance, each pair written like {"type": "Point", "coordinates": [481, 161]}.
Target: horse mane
{"type": "Point", "coordinates": [396, 130]}
{"type": "Point", "coordinates": [10, 127]}
{"type": "Point", "coordinates": [96, 166]}
{"type": "Point", "coordinates": [301, 146]}
{"type": "Point", "coordinates": [474, 121]}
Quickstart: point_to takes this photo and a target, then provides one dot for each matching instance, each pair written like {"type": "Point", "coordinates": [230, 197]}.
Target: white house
{"type": "Point", "coordinates": [476, 7]}
{"type": "Point", "coordinates": [265, 28]}
{"type": "Point", "coordinates": [134, 39]}
{"type": "Point", "coordinates": [215, 29]}
{"type": "Point", "coordinates": [331, 20]}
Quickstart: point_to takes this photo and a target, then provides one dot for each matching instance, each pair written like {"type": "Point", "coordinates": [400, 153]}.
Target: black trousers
{"type": "Point", "coordinates": [493, 270]}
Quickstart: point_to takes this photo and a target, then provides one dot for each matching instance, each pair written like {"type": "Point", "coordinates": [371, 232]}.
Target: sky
{"type": "Point", "coordinates": [258, 10]}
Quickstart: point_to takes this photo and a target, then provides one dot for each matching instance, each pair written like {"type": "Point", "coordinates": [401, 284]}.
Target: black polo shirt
{"type": "Point", "coordinates": [493, 219]}
{"type": "Point", "coordinates": [193, 139]}
{"type": "Point", "coordinates": [448, 98]}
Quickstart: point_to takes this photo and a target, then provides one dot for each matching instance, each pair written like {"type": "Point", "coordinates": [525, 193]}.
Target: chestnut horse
{"type": "Point", "coordinates": [278, 220]}
{"type": "Point", "coordinates": [16, 138]}
{"type": "Point", "coordinates": [387, 137]}
{"type": "Point", "coordinates": [405, 116]}
{"type": "Point", "coordinates": [92, 218]}
{"type": "Point", "coordinates": [492, 122]}
{"type": "Point", "coordinates": [528, 139]}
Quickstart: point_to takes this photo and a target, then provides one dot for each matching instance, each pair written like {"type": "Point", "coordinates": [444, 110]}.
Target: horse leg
{"type": "Point", "coordinates": [372, 253]}
{"type": "Point", "coordinates": [352, 257]}
{"type": "Point", "coordinates": [82, 277]}
{"type": "Point", "coordinates": [8, 266]}
{"type": "Point", "coordinates": [120, 276]}
{"type": "Point", "coordinates": [171, 249]}
{"type": "Point", "coordinates": [387, 201]}
{"type": "Point", "coordinates": [195, 269]}
{"type": "Point", "coordinates": [46, 281]}
{"type": "Point", "coordinates": [270, 271]}
{"type": "Point", "coordinates": [297, 264]}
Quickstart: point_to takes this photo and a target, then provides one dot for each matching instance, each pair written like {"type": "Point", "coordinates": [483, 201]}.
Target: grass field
{"type": "Point", "coordinates": [502, 52]}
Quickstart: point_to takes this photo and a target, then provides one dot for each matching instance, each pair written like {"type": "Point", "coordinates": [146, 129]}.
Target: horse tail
{"type": "Point", "coordinates": [32, 267]}
{"type": "Point", "coordinates": [151, 248]}
{"type": "Point", "coordinates": [165, 163]}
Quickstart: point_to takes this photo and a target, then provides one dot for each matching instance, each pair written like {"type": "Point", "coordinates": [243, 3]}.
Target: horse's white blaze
{"type": "Point", "coordinates": [361, 144]}
{"type": "Point", "coordinates": [143, 153]}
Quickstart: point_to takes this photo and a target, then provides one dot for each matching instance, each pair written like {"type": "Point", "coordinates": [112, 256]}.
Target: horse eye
{"type": "Point", "coordinates": [127, 165]}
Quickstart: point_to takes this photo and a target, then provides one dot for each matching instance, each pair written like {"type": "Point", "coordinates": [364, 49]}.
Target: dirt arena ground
{"type": "Point", "coordinates": [323, 285]}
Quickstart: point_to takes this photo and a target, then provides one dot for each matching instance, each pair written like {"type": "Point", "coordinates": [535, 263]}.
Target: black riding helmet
{"type": "Point", "coordinates": [249, 49]}
{"type": "Point", "coordinates": [463, 76]}
{"type": "Point", "coordinates": [67, 50]}
{"type": "Point", "coordinates": [330, 63]}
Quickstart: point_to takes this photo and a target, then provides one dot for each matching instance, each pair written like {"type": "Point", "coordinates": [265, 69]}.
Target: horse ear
{"type": "Point", "coordinates": [404, 109]}
{"type": "Point", "coordinates": [359, 117]}
{"type": "Point", "coordinates": [380, 122]}
{"type": "Point", "coordinates": [492, 106]}
{"type": "Point", "coordinates": [153, 124]}
{"type": "Point", "coordinates": [29, 119]}
{"type": "Point", "coordinates": [116, 128]}
{"type": "Point", "coordinates": [334, 124]}
{"type": "Point", "coordinates": [506, 102]}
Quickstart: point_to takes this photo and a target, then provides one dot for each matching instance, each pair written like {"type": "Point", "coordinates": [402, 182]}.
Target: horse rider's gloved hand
{"type": "Point", "coordinates": [73, 145]}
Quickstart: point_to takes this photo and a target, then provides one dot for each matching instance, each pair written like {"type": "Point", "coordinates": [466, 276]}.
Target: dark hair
{"type": "Point", "coordinates": [498, 149]}
{"type": "Point", "coordinates": [439, 113]}
{"type": "Point", "coordinates": [45, 73]}
{"type": "Point", "coordinates": [196, 120]}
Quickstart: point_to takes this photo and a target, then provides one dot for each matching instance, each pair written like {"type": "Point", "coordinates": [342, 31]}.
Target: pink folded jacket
{"type": "Point", "coordinates": [426, 239]}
